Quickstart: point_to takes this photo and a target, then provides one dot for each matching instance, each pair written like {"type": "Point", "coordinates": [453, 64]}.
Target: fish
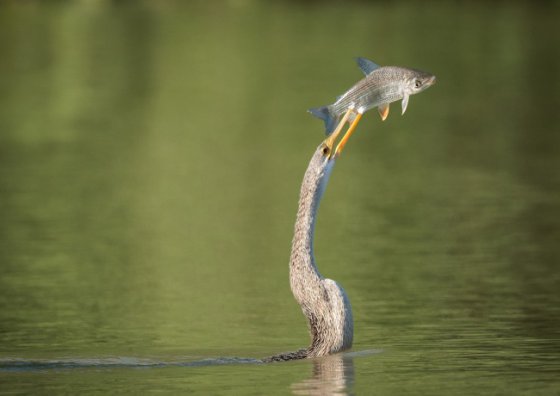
{"type": "Point", "coordinates": [381, 86]}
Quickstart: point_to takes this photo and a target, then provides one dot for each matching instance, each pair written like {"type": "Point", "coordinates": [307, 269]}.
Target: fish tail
{"type": "Point", "coordinates": [325, 113]}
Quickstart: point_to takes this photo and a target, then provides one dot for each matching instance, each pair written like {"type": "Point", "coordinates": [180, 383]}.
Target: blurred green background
{"type": "Point", "coordinates": [150, 160]}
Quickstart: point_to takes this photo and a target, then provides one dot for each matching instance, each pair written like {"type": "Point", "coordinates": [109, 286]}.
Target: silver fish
{"type": "Point", "coordinates": [380, 87]}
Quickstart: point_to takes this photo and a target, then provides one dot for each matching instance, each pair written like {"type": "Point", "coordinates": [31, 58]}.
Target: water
{"type": "Point", "coordinates": [150, 161]}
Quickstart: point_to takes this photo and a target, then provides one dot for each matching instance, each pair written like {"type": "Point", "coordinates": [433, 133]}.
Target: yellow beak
{"type": "Point", "coordinates": [329, 142]}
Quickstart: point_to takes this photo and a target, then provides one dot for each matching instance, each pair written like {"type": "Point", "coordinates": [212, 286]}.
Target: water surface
{"type": "Point", "coordinates": [150, 161]}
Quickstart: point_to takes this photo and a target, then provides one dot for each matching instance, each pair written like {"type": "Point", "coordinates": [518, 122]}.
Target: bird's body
{"type": "Point", "coordinates": [323, 302]}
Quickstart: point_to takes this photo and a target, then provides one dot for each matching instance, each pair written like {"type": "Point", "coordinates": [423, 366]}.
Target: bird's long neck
{"type": "Point", "coordinates": [303, 270]}
{"type": "Point", "coordinates": [323, 302]}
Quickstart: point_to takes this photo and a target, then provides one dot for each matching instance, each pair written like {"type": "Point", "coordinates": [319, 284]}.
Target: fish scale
{"type": "Point", "coordinates": [380, 87]}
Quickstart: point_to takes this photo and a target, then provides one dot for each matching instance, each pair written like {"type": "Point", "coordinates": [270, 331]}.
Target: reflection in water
{"type": "Point", "coordinates": [331, 375]}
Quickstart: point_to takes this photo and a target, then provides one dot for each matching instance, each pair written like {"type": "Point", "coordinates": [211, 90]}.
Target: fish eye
{"type": "Point", "coordinates": [326, 150]}
{"type": "Point", "coordinates": [418, 84]}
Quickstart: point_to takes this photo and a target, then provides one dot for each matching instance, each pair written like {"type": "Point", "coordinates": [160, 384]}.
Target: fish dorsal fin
{"type": "Point", "coordinates": [366, 65]}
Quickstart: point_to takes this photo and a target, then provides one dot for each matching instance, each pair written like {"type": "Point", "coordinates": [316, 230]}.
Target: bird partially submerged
{"type": "Point", "coordinates": [380, 87]}
{"type": "Point", "coordinates": [323, 302]}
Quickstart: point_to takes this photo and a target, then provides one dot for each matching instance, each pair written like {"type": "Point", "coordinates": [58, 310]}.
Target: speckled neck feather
{"type": "Point", "coordinates": [323, 302]}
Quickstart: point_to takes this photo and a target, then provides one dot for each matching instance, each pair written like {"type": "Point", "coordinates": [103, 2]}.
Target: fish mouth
{"type": "Point", "coordinates": [431, 81]}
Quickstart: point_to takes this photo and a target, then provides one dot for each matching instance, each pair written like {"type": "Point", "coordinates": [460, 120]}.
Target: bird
{"type": "Point", "coordinates": [324, 302]}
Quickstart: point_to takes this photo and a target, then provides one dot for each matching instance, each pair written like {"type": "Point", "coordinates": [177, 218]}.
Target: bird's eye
{"type": "Point", "coordinates": [418, 84]}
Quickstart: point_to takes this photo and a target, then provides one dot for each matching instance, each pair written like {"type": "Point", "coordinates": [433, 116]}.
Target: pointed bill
{"type": "Point", "coordinates": [404, 103]}
{"type": "Point", "coordinates": [383, 111]}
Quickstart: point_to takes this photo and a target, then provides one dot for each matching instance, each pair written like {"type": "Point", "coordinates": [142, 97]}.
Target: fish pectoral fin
{"type": "Point", "coordinates": [366, 65]}
{"type": "Point", "coordinates": [404, 103]}
{"type": "Point", "coordinates": [383, 111]}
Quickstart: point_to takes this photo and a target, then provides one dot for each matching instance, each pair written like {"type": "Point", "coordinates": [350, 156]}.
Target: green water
{"type": "Point", "coordinates": [150, 161]}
